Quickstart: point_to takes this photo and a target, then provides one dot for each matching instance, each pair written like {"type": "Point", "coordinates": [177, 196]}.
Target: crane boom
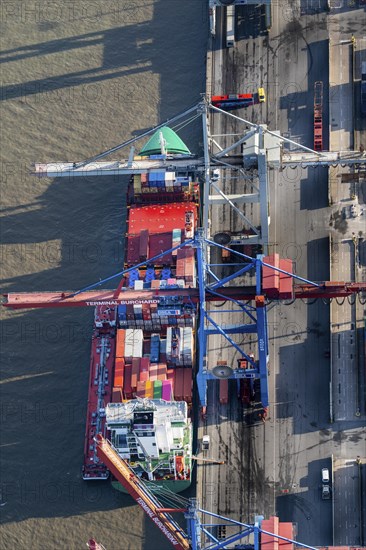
{"type": "Point", "coordinates": [30, 300]}
{"type": "Point", "coordinates": [136, 489]}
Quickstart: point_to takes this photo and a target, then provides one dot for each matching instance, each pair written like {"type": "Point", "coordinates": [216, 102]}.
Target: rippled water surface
{"type": "Point", "coordinates": [77, 78]}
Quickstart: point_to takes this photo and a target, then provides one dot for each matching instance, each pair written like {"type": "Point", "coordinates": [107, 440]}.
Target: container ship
{"type": "Point", "coordinates": [143, 352]}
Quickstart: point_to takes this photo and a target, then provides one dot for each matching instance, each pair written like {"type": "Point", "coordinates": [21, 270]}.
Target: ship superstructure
{"type": "Point", "coordinates": [154, 436]}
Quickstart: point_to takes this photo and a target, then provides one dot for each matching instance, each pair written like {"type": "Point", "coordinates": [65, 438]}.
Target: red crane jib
{"type": "Point", "coordinates": [139, 493]}
{"type": "Point", "coordinates": [277, 284]}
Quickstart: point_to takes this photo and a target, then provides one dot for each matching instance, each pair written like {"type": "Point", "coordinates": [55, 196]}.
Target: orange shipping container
{"type": "Point", "coordinates": [120, 342]}
{"type": "Point", "coordinates": [153, 371]}
{"type": "Point", "coordinates": [119, 368]}
{"type": "Point", "coordinates": [162, 371]}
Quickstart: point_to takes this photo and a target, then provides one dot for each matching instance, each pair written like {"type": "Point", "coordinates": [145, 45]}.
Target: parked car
{"type": "Point", "coordinates": [261, 95]}
{"type": "Point", "coordinates": [205, 442]}
{"type": "Point", "coordinates": [326, 494]}
{"type": "Point", "coordinates": [325, 475]}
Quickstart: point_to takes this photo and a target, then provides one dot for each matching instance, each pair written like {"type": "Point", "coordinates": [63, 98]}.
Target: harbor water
{"type": "Point", "coordinates": [77, 79]}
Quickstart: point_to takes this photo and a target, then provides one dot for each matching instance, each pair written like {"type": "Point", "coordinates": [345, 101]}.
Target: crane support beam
{"type": "Point", "coordinates": [137, 490]}
{"type": "Point", "coordinates": [30, 300]}
{"type": "Point", "coordinates": [325, 158]}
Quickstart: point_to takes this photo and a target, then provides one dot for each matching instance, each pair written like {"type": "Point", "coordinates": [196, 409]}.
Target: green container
{"type": "Point", "coordinates": [158, 386]}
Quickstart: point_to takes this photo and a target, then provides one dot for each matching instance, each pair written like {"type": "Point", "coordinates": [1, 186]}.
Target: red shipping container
{"type": "Point", "coordinates": [157, 244]}
{"type": "Point", "coordinates": [286, 281]}
{"type": "Point", "coordinates": [144, 368]}
{"type": "Point", "coordinates": [271, 278]}
{"type": "Point", "coordinates": [146, 347]}
{"type": "Point", "coordinates": [187, 384]}
{"type": "Point", "coordinates": [135, 373]}
{"type": "Point", "coordinates": [120, 343]}
{"type": "Point", "coordinates": [146, 312]}
{"type": "Point", "coordinates": [127, 390]}
{"type": "Point", "coordinates": [117, 395]}
{"type": "Point", "coordinates": [224, 391]}
{"type": "Point", "coordinates": [141, 388]}
{"type": "Point", "coordinates": [179, 384]}
{"type": "Point", "coordinates": [144, 244]}
{"type": "Point", "coordinates": [144, 376]}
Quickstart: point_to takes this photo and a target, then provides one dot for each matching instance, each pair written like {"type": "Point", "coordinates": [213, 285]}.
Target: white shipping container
{"type": "Point", "coordinates": [169, 176]}
{"type": "Point", "coordinates": [139, 285]}
{"type": "Point", "coordinates": [133, 342]}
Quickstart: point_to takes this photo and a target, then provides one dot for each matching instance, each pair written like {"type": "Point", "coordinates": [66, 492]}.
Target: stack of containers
{"type": "Point", "coordinates": [179, 384]}
{"type": "Point", "coordinates": [169, 181]}
{"type": "Point", "coordinates": [144, 183]}
{"type": "Point", "coordinates": [187, 385]}
{"type": "Point", "coordinates": [185, 267]}
{"type": "Point", "coordinates": [150, 317]}
{"type": "Point", "coordinates": [133, 343]}
{"type": "Point", "coordinates": [135, 371]}
{"type": "Point", "coordinates": [157, 181]}
{"type": "Point", "coordinates": [179, 346]}
{"type": "Point", "coordinates": [144, 244]}
{"type": "Point", "coordinates": [158, 386]}
{"type": "Point", "coordinates": [172, 345]}
{"type": "Point", "coordinates": [155, 348]}
{"type": "Point", "coordinates": [167, 390]}
{"type": "Point", "coordinates": [137, 183]}
{"type": "Point", "coordinates": [122, 315]}
{"type": "Point", "coordinates": [144, 369]}
{"type": "Point", "coordinates": [187, 346]}
{"type": "Point", "coordinates": [119, 366]}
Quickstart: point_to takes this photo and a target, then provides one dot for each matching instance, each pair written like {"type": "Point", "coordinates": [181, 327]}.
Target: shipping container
{"type": "Point", "coordinates": [135, 373]}
{"type": "Point", "coordinates": [153, 371]}
{"type": "Point", "coordinates": [144, 368]}
{"type": "Point", "coordinates": [187, 385]}
{"type": "Point", "coordinates": [117, 395]}
{"type": "Point", "coordinates": [179, 384]}
{"type": "Point", "coordinates": [158, 385]}
{"type": "Point", "coordinates": [162, 371]}
{"type": "Point", "coordinates": [149, 389]}
{"type": "Point", "coordinates": [141, 389]}
{"type": "Point", "coordinates": [119, 368]}
{"type": "Point", "coordinates": [127, 390]}
{"type": "Point", "coordinates": [167, 390]}
{"type": "Point", "coordinates": [120, 343]}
